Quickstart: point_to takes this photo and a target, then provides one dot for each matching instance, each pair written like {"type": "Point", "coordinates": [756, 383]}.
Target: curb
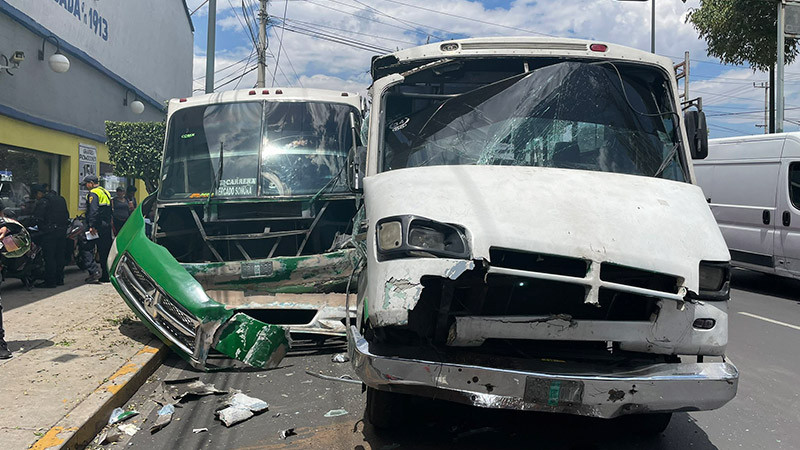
{"type": "Point", "coordinates": [81, 425]}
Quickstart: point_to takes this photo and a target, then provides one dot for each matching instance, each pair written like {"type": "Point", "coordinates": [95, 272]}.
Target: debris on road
{"type": "Point", "coordinates": [231, 415]}
{"type": "Point", "coordinates": [335, 413]}
{"type": "Point", "coordinates": [286, 433]}
{"type": "Point", "coordinates": [129, 429]}
{"type": "Point", "coordinates": [178, 389]}
{"type": "Point", "coordinates": [119, 415]}
{"type": "Point", "coordinates": [343, 378]}
{"type": "Point", "coordinates": [110, 435]}
{"type": "Point", "coordinates": [199, 430]}
{"type": "Point", "coordinates": [340, 358]}
{"type": "Point", "coordinates": [240, 407]}
{"type": "Point", "coordinates": [164, 417]}
{"type": "Point", "coordinates": [239, 400]}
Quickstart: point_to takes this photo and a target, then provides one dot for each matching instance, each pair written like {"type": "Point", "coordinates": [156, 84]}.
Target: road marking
{"type": "Point", "coordinates": [767, 319]}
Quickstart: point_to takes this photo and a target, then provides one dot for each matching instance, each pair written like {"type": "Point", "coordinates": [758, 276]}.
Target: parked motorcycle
{"type": "Point", "coordinates": [76, 235]}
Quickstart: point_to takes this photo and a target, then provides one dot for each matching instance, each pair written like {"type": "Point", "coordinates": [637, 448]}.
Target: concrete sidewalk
{"type": "Point", "coordinates": [78, 353]}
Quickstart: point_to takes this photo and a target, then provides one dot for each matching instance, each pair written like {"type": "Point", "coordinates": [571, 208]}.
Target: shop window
{"type": "Point", "coordinates": [19, 169]}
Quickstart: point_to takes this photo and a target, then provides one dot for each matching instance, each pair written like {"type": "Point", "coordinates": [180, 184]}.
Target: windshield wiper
{"type": "Point", "coordinates": [667, 160]}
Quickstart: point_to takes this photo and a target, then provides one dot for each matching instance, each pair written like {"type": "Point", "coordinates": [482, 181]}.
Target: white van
{"type": "Point", "coordinates": [753, 186]}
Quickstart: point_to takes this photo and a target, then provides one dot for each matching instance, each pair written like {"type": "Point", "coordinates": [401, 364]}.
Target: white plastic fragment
{"type": "Point", "coordinates": [199, 430]}
{"type": "Point", "coordinates": [340, 358]}
{"type": "Point", "coordinates": [232, 415]}
{"type": "Point", "coordinates": [129, 429]}
{"type": "Point", "coordinates": [335, 413]}
{"type": "Point", "coordinates": [239, 400]}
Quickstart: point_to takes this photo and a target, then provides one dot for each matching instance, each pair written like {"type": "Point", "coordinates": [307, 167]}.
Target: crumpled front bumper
{"type": "Point", "coordinates": [604, 394]}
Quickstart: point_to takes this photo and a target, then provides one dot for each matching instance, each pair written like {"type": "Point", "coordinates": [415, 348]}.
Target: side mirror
{"type": "Point", "coordinates": [356, 166]}
{"type": "Point", "coordinates": [697, 132]}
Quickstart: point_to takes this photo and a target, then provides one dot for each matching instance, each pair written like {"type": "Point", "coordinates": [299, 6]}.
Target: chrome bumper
{"type": "Point", "coordinates": [652, 388]}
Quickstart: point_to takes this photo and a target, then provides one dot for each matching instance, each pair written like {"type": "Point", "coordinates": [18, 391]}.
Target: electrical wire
{"type": "Point", "coordinates": [333, 38]}
{"type": "Point", "coordinates": [471, 19]}
{"type": "Point", "coordinates": [234, 79]}
{"type": "Point", "coordinates": [201, 5]}
{"type": "Point", "coordinates": [280, 43]}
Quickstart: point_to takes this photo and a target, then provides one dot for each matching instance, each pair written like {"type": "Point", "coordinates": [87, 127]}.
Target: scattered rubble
{"type": "Point", "coordinates": [110, 435]}
{"type": "Point", "coordinates": [240, 407]}
{"type": "Point", "coordinates": [164, 417]}
{"type": "Point", "coordinates": [286, 433]}
{"type": "Point", "coordinates": [340, 358]}
{"type": "Point", "coordinates": [178, 389]}
{"type": "Point", "coordinates": [129, 429]}
{"type": "Point", "coordinates": [335, 413]}
{"type": "Point", "coordinates": [120, 415]}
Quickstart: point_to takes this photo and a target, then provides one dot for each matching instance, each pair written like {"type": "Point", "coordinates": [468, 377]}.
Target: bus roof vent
{"type": "Point", "coordinates": [512, 45]}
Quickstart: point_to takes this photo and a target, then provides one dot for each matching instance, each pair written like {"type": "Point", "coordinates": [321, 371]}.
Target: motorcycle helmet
{"type": "Point", "coordinates": [17, 241]}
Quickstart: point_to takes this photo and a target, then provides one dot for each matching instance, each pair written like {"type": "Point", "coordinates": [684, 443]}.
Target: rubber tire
{"type": "Point", "coordinates": [646, 424]}
{"type": "Point", "coordinates": [385, 410]}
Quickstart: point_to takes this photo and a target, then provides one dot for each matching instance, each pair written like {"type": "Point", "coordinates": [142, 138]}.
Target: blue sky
{"type": "Point", "coordinates": [732, 104]}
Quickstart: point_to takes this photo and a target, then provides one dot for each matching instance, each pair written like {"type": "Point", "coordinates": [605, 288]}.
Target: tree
{"type": "Point", "coordinates": [741, 31]}
{"type": "Point", "coordinates": [135, 149]}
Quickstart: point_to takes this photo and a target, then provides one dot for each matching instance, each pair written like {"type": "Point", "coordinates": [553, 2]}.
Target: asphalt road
{"type": "Point", "coordinates": [764, 341]}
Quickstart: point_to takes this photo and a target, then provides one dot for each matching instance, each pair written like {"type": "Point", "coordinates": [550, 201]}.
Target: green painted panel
{"type": "Point", "coordinates": [253, 342]}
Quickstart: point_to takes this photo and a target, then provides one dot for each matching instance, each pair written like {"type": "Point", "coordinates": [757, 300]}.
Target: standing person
{"type": "Point", "coordinates": [122, 209]}
{"type": "Point", "coordinates": [98, 221]}
{"type": "Point", "coordinates": [51, 216]}
{"type": "Point", "coordinates": [130, 194]}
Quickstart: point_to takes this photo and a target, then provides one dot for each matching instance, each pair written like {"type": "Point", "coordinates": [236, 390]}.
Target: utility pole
{"type": "Point", "coordinates": [652, 26]}
{"type": "Point", "coordinates": [779, 71]}
{"type": "Point", "coordinates": [210, 45]}
{"type": "Point", "coordinates": [765, 87]}
{"type": "Point", "coordinates": [262, 44]}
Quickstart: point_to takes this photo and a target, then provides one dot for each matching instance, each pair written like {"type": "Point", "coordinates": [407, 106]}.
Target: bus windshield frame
{"type": "Point", "coordinates": [257, 149]}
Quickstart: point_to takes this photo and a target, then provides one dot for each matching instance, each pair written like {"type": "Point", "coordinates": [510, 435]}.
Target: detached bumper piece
{"type": "Point", "coordinates": [605, 394]}
{"type": "Point", "coordinates": [237, 335]}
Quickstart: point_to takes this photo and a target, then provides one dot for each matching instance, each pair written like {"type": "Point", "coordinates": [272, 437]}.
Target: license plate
{"type": "Point", "coordinates": [551, 392]}
{"type": "Point", "coordinates": [256, 269]}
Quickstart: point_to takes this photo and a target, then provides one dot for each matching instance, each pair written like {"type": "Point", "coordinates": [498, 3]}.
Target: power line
{"type": "Point", "coordinates": [201, 5]}
{"type": "Point", "coordinates": [302, 22]}
{"type": "Point", "coordinates": [471, 19]}
{"type": "Point", "coordinates": [334, 38]}
{"type": "Point", "coordinates": [280, 43]}
{"type": "Point", "coordinates": [234, 79]}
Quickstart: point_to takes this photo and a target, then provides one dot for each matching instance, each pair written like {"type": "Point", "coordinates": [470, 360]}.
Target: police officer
{"type": "Point", "coordinates": [98, 221]}
{"type": "Point", "coordinates": [51, 216]}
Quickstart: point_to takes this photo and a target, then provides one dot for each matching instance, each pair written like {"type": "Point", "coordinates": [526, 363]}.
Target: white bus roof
{"type": "Point", "coordinates": [527, 46]}
{"type": "Point", "coordinates": [276, 94]}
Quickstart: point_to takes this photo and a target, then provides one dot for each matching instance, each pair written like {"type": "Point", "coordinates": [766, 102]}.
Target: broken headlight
{"type": "Point", "coordinates": [411, 236]}
{"type": "Point", "coordinates": [715, 280]}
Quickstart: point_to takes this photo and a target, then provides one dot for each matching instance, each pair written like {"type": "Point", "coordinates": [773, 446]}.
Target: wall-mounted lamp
{"type": "Point", "coordinates": [9, 64]}
{"type": "Point", "coordinates": [136, 106]}
{"type": "Point", "coordinates": [58, 62]}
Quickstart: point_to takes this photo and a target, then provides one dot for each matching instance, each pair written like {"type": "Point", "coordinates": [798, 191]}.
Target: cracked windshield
{"type": "Point", "coordinates": [570, 115]}
{"type": "Point", "coordinates": [253, 149]}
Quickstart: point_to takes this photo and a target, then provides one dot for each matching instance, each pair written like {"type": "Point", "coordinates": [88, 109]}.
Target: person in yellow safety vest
{"type": "Point", "coordinates": [98, 225]}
